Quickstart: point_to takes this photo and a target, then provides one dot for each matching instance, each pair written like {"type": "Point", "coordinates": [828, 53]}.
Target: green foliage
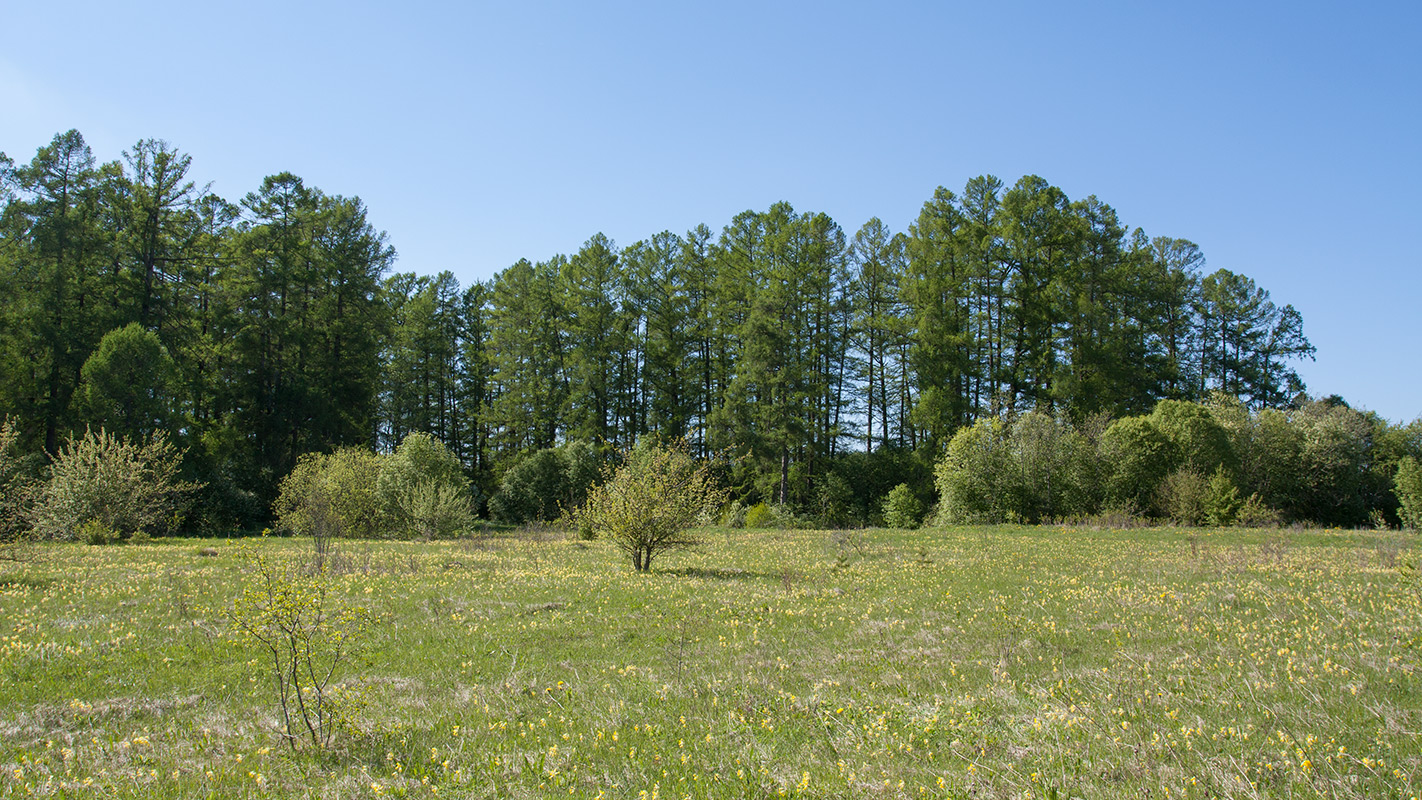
{"type": "Point", "coordinates": [1408, 486]}
{"type": "Point", "coordinates": [546, 483]}
{"type": "Point", "coordinates": [734, 515]}
{"type": "Point", "coordinates": [1222, 500]}
{"type": "Point", "coordinates": [125, 487]}
{"type": "Point", "coordinates": [1255, 513]}
{"type": "Point", "coordinates": [126, 386]}
{"type": "Point", "coordinates": [902, 508]}
{"type": "Point", "coordinates": [332, 495]}
{"type": "Point", "coordinates": [307, 639]}
{"type": "Point", "coordinates": [972, 477]}
{"type": "Point", "coordinates": [648, 506]}
{"type": "Point", "coordinates": [835, 502]}
{"type": "Point", "coordinates": [435, 511]}
{"type": "Point", "coordinates": [16, 490]}
{"type": "Point", "coordinates": [1139, 457]}
{"type": "Point", "coordinates": [422, 489]}
{"type": "Point", "coordinates": [1183, 496]}
{"type": "Point", "coordinates": [1035, 468]}
{"type": "Point", "coordinates": [1335, 464]}
{"type": "Point", "coordinates": [1049, 468]}
{"type": "Point", "coordinates": [1197, 439]}
{"type": "Point", "coordinates": [760, 515]}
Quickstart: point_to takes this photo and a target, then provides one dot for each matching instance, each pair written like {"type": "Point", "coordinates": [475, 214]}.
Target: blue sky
{"type": "Point", "coordinates": [1283, 138]}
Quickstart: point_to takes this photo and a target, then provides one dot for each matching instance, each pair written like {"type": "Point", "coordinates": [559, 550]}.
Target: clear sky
{"type": "Point", "coordinates": [1284, 138]}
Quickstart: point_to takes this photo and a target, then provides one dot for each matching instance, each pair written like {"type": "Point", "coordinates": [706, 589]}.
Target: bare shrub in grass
{"type": "Point", "coordinates": [308, 639]}
{"type": "Point", "coordinates": [649, 505]}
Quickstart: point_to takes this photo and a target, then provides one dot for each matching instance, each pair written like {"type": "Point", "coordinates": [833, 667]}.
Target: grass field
{"type": "Point", "coordinates": [972, 662]}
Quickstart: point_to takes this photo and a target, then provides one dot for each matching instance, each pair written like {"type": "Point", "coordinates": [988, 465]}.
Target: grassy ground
{"type": "Point", "coordinates": [974, 662]}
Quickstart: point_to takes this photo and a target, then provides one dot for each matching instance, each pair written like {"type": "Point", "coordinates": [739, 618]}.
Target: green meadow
{"type": "Point", "coordinates": [988, 662]}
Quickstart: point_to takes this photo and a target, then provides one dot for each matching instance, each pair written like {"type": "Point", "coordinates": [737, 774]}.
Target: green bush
{"type": "Point", "coordinates": [649, 505]}
{"type": "Point", "coordinates": [759, 515]}
{"type": "Point", "coordinates": [124, 487]}
{"type": "Point", "coordinates": [546, 483]}
{"type": "Point", "coordinates": [973, 476]}
{"type": "Point", "coordinates": [1139, 457]}
{"type": "Point", "coordinates": [332, 495]}
{"type": "Point", "coordinates": [1199, 442]}
{"type": "Point", "coordinates": [15, 496]}
{"type": "Point", "coordinates": [423, 490]}
{"type": "Point", "coordinates": [1183, 496]}
{"type": "Point", "coordinates": [902, 508]}
{"type": "Point", "coordinates": [734, 515]}
{"type": "Point", "coordinates": [1407, 484]}
{"type": "Point", "coordinates": [436, 511]}
{"type": "Point", "coordinates": [1049, 469]}
{"type": "Point", "coordinates": [1035, 468]}
{"type": "Point", "coordinates": [1222, 501]}
{"type": "Point", "coordinates": [1255, 513]}
{"type": "Point", "coordinates": [1333, 464]}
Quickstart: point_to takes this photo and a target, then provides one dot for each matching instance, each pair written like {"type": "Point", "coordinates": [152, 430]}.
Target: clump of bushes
{"type": "Point", "coordinates": [419, 491]}
{"type": "Point", "coordinates": [423, 491]}
{"type": "Point", "coordinates": [1217, 463]}
{"type": "Point", "coordinates": [545, 484]}
{"type": "Point", "coordinates": [332, 495]}
{"type": "Point", "coordinates": [775, 515]}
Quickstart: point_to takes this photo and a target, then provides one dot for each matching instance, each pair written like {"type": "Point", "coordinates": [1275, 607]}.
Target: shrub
{"type": "Point", "coordinates": [647, 506]}
{"type": "Point", "coordinates": [1222, 501]}
{"type": "Point", "coordinates": [902, 508]}
{"type": "Point", "coordinates": [1255, 513]}
{"type": "Point", "coordinates": [436, 511]}
{"type": "Point", "coordinates": [1199, 441]}
{"type": "Point", "coordinates": [972, 477]}
{"type": "Point", "coordinates": [1182, 496]}
{"type": "Point", "coordinates": [1139, 457]}
{"type": "Point", "coordinates": [760, 515]}
{"type": "Point", "coordinates": [1407, 484]}
{"type": "Point", "coordinates": [306, 638]}
{"type": "Point", "coordinates": [546, 483]}
{"type": "Point", "coordinates": [1333, 464]}
{"type": "Point", "coordinates": [15, 496]}
{"type": "Point", "coordinates": [1048, 466]}
{"type": "Point", "coordinates": [124, 486]}
{"type": "Point", "coordinates": [734, 516]}
{"type": "Point", "coordinates": [332, 495]}
{"type": "Point", "coordinates": [423, 490]}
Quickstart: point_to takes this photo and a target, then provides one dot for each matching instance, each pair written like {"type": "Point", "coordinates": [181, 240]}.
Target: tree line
{"type": "Point", "coordinates": [254, 332]}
